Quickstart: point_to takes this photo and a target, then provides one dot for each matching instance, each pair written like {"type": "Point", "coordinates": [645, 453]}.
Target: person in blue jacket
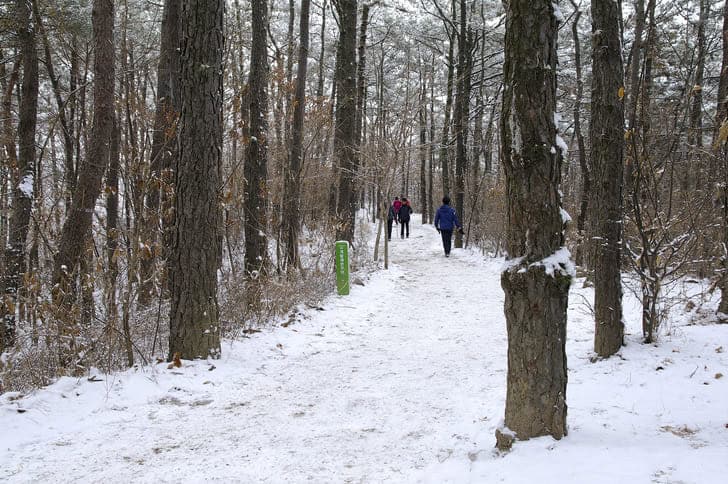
{"type": "Point", "coordinates": [445, 222]}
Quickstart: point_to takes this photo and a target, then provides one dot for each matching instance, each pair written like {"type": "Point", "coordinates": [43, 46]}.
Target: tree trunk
{"type": "Point", "coordinates": [112, 243]}
{"type": "Point", "coordinates": [633, 89]}
{"type": "Point", "coordinates": [77, 227]}
{"type": "Point", "coordinates": [163, 151]}
{"type": "Point", "coordinates": [290, 47]}
{"type": "Point", "coordinates": [322, 53]}
{"type": "Point", "coordinates": [722, 108]}
{"type": "Point", "coordinates": [721, 118]}
{"type": "Point", "coordinates": [361, 74]}
{"type": "Point", "coordinates": [422, 112]}
{"type": "Point", "coordinates": [15, 256]}
{"type": "Point", "coordinates": [196, 242]}
{"type": "Point", "coordinates": [256, 162]}
{"type": "Point", "coordinates": [345, 127]}
{"type": "Point", "coordinates": [582, 243]}
{"type": "Point", "coordinates": [536, 284]}
{"type": "Point", "coordinates": [635, 63]}
{"type": "Point", "coordinates": [694, 176]}
{"type": "Point", "coordinates": [292, 211]}
{"type": "Point", "coordinates": [606, 132]}
{"type": "Point", "coordinates": [67, 127]}
{"type": "Point", "coordinates": [431, 147]}
{"type": "Point", "coordinates": [462, 115]}
{"type": "Point", "coordinates": [445, 140]}
{"type": "Point", "coordinates": [695, 132]}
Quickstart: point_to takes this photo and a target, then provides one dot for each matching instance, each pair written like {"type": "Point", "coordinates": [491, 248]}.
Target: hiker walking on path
{"type": "Point", "coordinates": [397, 204]}
{"type": "Point", "coordinates": [391, 216]}
{"type": "Point", "coordinates": [445, 222]}
{"type": "Point", "coordinates": [404, 217]}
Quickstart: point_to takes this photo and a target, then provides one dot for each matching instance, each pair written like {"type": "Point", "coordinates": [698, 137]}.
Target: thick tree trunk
{"type": "Point", "coordinates": [77, 227]}
{"type": "Point", "coordinates": [292, 210]}
{"type": "Point", "coordinates": [163, 151]}
{"type": "Point", "coordinates": [345, 126]}
{"type": "Point", "coordinates": [15, 254]}
{"type": "Point", "coordinates": [606, 132]}
{"type": "Point", "coordinates": [256, 162]}
{"type": "Point", "coordinates": [196, 242]}
{"type": "Point", "coordinates": [536, 284]}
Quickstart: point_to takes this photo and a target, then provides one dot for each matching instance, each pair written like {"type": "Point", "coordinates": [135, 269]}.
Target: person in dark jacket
{"type": "Point", "coordinates": [391, 215]}
{"type": "Point", "coordinates": [445, 222]}
{"type": "Point", "coordinates": [404, 217]}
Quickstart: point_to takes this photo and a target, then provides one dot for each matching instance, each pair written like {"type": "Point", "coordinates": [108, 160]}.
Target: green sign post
{"type": "Point", "coordinates": [342, 267]}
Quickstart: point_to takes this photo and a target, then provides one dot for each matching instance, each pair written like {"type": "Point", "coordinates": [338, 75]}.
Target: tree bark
{"type": "Point", "coordinates": [77, 227]}
{"type": "Point", "coordinates": [196, 241]}
{"type": "Point", "coordinates": [256, 162]}
{"type": "Point", "coordinates": [112, 243]}
{"type": "Point", "coordinates": [345, 125]}
{"type": "Point", "coordinates": [163, 151]}
{"type": "Point", "coordinates": [292, 211]}
{"type": "Point", "coordinates": [606, 132]}
{"type": "Point", "coordinates": [322, 53]}
{"type": "Point", "coordinates": [722, 107]}
{"type": "Point", "coordinates": [536, 289]}
{"type": "Point", "coordinates": [422, 113]}
{"type": "Point", "coordinates": [23, 181]}
{"type": "Point", "coordinates": [695, 132]}
{"type": "Point", "coordinates": [582, 243]}
{"type": "Point", "coordinates": [462, 115]}
{"type": "Point", "coordinates": [431, 147]}
{"type": "Point", "coordinates": [721, 118]}
{"type": "Point", "coordinates": [67, 127]}
{"type": "Point", "coordinates": [445, 140]}
{"type": "Point", "coordinates": [633, 90]}
{"type": "Point", "coordinates": [361, 85]}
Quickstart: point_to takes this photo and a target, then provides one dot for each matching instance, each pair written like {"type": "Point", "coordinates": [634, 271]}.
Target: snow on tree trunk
{"type": "Point", "coordinates": [536, 282]}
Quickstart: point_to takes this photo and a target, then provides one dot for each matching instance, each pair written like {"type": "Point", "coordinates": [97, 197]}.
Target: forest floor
{"type": "Point", "coordinates": [404, 380]}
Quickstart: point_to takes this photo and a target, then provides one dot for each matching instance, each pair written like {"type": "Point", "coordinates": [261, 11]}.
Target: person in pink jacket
{"type": "Point", "coordinates": [396, 205]}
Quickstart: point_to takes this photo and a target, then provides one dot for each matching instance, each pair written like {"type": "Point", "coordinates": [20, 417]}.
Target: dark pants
{"type": "Point", "coordinates": [389, 229]}
{"type": "Point", "coordinates": [446, 240]}
{"type": "Point", "coordinates": [405, 225]}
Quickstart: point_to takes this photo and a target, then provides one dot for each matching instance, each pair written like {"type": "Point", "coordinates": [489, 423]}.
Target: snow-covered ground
{"type": "Point", "coordinates": [402, 381]}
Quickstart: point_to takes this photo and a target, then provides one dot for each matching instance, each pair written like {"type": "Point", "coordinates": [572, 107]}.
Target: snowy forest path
{"type": "Point", "coordinates": [374, 387]}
